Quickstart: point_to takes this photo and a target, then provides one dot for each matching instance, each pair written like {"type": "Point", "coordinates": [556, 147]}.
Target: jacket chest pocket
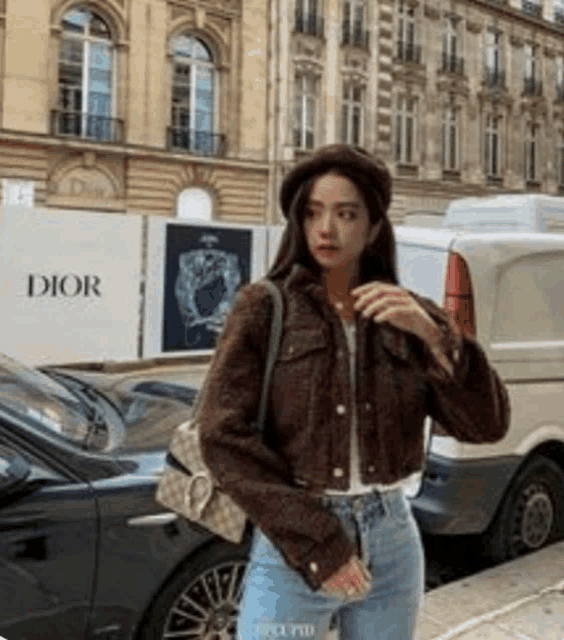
{"type": "Point", "coordinates": [303, 353]}
{"type": "Point", "coordinates": [301, 346]}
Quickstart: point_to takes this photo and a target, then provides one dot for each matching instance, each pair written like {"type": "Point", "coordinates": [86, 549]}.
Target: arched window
{"type": "Point", "coordinates": [194, 203]}
{"type": "Point", "coordinates": [193, 98]}
{"type": "Point", "coordinates": [86, 77]}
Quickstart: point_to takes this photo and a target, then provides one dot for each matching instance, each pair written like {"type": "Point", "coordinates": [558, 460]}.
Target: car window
{"type": "Point", "coordinates": [530, 300]}
{"type": "Point", "coordinates": [34, 396]}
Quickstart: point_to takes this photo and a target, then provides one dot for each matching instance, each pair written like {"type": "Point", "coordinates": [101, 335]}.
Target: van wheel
{"type": "Point", "coordinates": [532, 512]}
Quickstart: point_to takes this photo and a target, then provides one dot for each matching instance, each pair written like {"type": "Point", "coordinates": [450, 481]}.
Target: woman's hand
{"type": "Point", "coordinates": [389, 303]}
{"type": "Point", "coordinates": [351, 580]}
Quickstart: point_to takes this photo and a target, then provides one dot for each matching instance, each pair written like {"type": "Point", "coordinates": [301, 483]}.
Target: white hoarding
{"type": "Point", "coordinates": [69, 285]}
{"type": "Point", "coordinates": [194, 269]}
{"type": "Point", "coordinates": [274, 237]}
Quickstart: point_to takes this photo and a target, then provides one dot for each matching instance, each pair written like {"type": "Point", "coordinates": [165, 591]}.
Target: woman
{"type": "Point", "coordinates": [362, 363]}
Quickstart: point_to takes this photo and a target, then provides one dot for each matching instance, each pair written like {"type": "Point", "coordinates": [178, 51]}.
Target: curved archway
{"type": "Point", "coordinates": [194, 203]}
{"type": "Point", "coordinates": [107, 9]}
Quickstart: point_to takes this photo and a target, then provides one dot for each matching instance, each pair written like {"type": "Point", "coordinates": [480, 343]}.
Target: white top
{"type": "Point", "coordinates": [356, 486]}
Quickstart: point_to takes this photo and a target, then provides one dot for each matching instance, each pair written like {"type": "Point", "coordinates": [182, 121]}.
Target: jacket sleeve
{"type": "Point", "coordinates": [255, 476]}
{"type": "Point", "coordinates": [472, 404]}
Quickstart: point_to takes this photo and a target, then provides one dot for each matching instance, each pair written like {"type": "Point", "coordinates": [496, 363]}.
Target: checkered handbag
{"type": "Point", "coordinates": [187, 486]}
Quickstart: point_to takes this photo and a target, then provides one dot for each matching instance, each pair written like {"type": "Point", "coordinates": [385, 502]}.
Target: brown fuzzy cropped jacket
{"type": "Point", "coordinates": [277, 478]}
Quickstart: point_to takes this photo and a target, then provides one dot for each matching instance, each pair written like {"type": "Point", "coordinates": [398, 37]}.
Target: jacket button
{"type": "Point", "coordinates": [371, 469]}
{"type": "Point", "coordinates": [340, 354]}
{"type": "Point", "coordinates": [291, 350]}
{"type": "Point", "coordinates": [338, 472]}
{"type": "Point", "coordinates": [368, 406]}
{"type": "Point", "coordinates": [341, 409]}
{"type": "Point", "coordinates": [313, 566]}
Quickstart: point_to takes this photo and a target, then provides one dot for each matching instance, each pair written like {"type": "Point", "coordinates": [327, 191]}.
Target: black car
{"type": "Point", "coordinates": [85, 551]}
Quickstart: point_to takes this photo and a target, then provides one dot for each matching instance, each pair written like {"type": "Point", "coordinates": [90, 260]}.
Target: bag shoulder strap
{"type": "Point", "coordinates": [272, 355]}
{"type": "Point", "coordinates": [273, 348]}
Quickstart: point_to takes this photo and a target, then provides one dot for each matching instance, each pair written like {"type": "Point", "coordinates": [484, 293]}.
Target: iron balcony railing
{"type": "Point", "coordinates": [494, 78]}
{"type": "Point", "coordinates": [201, 143]}
{"type": "Point", "coordinates": [408, 52]}
{"type": "Point", "coordinates": [533, 9]}
{"type": "Point", "coordinates": [452, 64]}
{"type": "Point", "coordinates": [309, 23]}
{"type": "Point", "coordinates": [532, 87]}
{"type": "Point", "coordinates": [86, 125]}
{"type": "Point", "coordinates": [355, 35]}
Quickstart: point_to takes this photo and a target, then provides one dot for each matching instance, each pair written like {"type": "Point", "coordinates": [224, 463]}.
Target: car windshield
{"type": "Point", "coordinates": [32, 394]}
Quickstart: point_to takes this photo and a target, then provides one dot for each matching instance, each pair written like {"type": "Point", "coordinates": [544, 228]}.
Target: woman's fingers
{"type": "Point", "coordinates": [352, 579]}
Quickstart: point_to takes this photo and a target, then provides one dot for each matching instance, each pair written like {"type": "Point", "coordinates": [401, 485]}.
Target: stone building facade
{"type": "Point", "coordinates": [199, 107]}
{"type": "Point", "coordinates": [459, 97]}
{"type": "Point", "coordinates": [136, 106]}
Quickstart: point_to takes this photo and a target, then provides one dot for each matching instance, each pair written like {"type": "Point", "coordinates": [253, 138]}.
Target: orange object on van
{"type": "Point", "coordinates": [459, 297]}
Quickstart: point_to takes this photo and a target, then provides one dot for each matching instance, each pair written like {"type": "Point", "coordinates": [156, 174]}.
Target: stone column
{"type": "Point", "coordinates": [333, 32]}
{"type": "Point", "coordinates": [25, 98]}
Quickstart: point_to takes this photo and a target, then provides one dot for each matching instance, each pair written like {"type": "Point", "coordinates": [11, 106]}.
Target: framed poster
{"type": "Point", "coordinates": [195, 272]}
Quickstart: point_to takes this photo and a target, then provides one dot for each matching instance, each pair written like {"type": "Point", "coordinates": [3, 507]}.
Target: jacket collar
{"type": "Point", "coordinates": [303, 280]}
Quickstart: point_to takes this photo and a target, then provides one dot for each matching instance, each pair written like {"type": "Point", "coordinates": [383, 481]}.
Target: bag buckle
{"type": "Point", "coordinates": [197, 494]}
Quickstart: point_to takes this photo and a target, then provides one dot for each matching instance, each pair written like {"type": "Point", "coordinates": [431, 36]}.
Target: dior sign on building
{"type": "Point", "coordinates": [70, 281]}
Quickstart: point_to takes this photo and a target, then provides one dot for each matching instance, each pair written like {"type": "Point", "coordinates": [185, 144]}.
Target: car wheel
{"type": "Point", "coordinates": [531, 514]}
{"type": "Point", "coordinates": [202, 601]}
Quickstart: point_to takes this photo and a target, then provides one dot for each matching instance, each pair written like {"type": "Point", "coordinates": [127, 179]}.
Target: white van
{"type": "Point", "coordinates": [498, 265]}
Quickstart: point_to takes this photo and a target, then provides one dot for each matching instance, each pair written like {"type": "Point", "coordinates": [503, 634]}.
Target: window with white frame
{"type": "Point", "coordinates": [193, 95]}
{"type": "Point", "coordinates": [405, 130]}
{"type": "Point", "coordinates": [450, 138]}
{"type": "Point", "coordinates": [492, 144]}
{"type": "Point", "coordinates": [532, 169]}
{"type": "Point", "coordinates": [559, 77]}
{"type": "Point", "coordinates": [450, 45]}
{"type": "Point", "coordinates": [305, 105]}
{"type": "Point", "coordinates": [531, 68]}
{"type": "Point", "coordinates": [407, 47]}
{"type": "Point", "coordinates": [559, 11]}
{"type": "Point", "coordinates": [352, 114]}
{"type": "Point", "coordinates": [86, 77]}
{"type": "Point", "coordinates": [560, 159]}
{"type": "Point", "coordinates": [493, 59]}
{"type": "Point", "coordinates": [353, 23]}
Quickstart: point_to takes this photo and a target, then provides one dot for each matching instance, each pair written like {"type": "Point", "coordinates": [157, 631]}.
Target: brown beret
{"type": "Point", "coordinates": [369, 174]}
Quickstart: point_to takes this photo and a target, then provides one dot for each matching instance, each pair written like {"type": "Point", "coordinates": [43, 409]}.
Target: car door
{"type": "Point", "coordinates": [48, 535]}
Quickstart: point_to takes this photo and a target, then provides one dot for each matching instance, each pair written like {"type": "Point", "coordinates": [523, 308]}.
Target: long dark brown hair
{"type": "Point", "coordinates": [378, 260]}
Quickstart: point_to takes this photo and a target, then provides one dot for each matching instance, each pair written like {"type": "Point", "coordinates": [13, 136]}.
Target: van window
{"type": "Point", "coordinates": [530, 300]}
{"type": "Point", "coordinates": [422, 270]}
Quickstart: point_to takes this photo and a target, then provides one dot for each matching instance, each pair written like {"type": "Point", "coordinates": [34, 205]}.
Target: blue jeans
{"type": "Point", "coordinates": [277, 602]}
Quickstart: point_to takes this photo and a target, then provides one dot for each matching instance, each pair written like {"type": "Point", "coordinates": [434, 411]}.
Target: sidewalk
{"type": "Point", "coordinates": [520, 600]}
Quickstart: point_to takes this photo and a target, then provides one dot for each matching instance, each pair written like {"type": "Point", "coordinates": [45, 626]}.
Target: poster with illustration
{"type": "Point", "coordinates": [204, 268]}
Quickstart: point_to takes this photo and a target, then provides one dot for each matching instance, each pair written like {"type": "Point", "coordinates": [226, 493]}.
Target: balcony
{"type": "Point", "coordinates": [309, 23]}
{"type": "Point", "coordinates": [494, 78]}
{"type": "Point", "coordinates": [559, 91]}
{"type": "Point", "coordinates": [532, 9]}
{"type": "Point", "coordinates": [452, 64]}
{"type": "Point", "coordinates": [409, 52]}
{"type": "Point", "coordinates": [198, 143]}
{"type": "Point", "coordinates": [76, 124]}
{"type": "Point", "coordinates": [354, 35]}
{"type": "Point", "coordinates": [532, 87]}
